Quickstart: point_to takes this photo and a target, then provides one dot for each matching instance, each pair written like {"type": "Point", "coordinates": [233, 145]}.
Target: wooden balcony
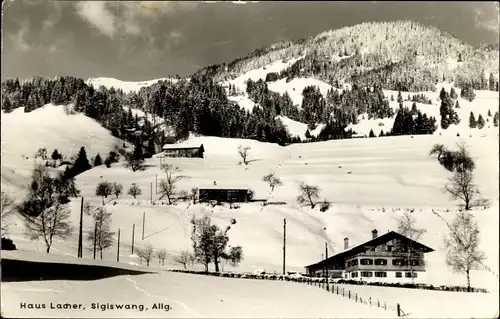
{"type": "Point", "coordinates": [415, 254]}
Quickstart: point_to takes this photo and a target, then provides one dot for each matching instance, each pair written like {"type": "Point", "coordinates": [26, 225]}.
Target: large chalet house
{"type": "Point", "coordinates": [389, 258]}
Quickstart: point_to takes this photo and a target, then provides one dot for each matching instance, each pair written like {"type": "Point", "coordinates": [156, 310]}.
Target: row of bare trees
{"type": "Point", "coordinates": [462, 241]}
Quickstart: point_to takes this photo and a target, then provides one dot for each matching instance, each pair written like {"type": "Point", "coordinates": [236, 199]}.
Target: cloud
{"type": "Point", "coordinates": [98, 15]}
{"type": "Point", "coordinates": [128, 17]}
{"type": "Point", "coordinates": [488, 19]}
{"type": "Point", "coordinates": [18, 38]}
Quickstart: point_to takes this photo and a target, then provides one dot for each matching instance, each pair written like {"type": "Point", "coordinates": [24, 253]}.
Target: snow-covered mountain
{"type": "Point", "coordinates": [125, 86]}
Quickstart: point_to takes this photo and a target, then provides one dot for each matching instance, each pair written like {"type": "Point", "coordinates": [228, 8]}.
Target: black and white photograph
{"type": "Point", "coordinates": [250, 159]}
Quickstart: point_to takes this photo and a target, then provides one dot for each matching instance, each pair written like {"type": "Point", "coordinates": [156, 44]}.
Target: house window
{"type": "Point", "coordinates": [398, 274]}
{"type": "Point", "coordinates": [348, 263]}
{"type": "Point", "coordinates": [366, 261]}
{"type": "Point", "coordinates": [354, 274]}
{"type": "Point", "coordinates": [380, 274]}
{"type": "Point", "coordinates": [380, 262]}
{"type": "Point", "coordinates": [415, 262]}
{"type": "Point", "coordinates": [346, 275]}
{"type": "Point", "coordinates": [354, 262]}
{"type": "Point", "coordinates": [366, 274]}
{"type": "Point", "coordinates": [389, 248]}
{"type": "Point", "coordinates": [408, 275]}
{"type": "Point", "coordinates": [398, 262]}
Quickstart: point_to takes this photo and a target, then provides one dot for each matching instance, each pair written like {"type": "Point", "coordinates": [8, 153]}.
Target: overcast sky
{"type": "Point", "coordinates": [135, 41]}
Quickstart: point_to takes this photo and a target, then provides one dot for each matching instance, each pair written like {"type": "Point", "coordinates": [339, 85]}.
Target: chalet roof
{"type": "Point", "coordinates": [371, 243]}
{"type": "Point", "coordinates": [183, 145]}
{"type": "Point", "coordinates": [225, 186]}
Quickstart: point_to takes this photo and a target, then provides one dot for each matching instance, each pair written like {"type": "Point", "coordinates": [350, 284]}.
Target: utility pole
{"type": "Point", "coordinates": [133, 237]}
{"type": "Point", "coordinates": [156, 186]}
{"type": "Point", "coordinates": [118, 252]}
{"type": "Point", "coordinates": [326, 267]}
{"type": "Point", "coordinates": [80, 249]}
{"type": "Point", "coordinates": [151, 192]}
{"type": "Point", "coordinates": [95, 237]}
{"type": "Point", "coordinates": [143, 222]}
{"type": "Point", "coordinates": [284, 245]}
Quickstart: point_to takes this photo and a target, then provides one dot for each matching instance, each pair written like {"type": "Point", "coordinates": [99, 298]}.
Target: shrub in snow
{"type": "Point", "coordinates": [324, 206]}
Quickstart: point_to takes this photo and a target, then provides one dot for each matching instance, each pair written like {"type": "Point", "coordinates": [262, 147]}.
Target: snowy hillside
{"type": "Point", "coordinates": [485, 101]}
{"type": "Point", "coordinates": [386, 176]}
{"type": "Point", "coordinates": [51, 128]}
{"type": "Point", "coordinates": [125, 86]}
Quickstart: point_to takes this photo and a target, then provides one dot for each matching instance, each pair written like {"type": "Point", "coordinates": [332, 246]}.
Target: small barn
{"type": "Point", "coordinates": [228, 194]}
{"type": "Point", "coordinates": [183, 150]}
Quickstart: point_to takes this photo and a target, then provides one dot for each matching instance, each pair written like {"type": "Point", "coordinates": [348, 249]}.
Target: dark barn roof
{"type": "Point", "coordinates": [340, 257]}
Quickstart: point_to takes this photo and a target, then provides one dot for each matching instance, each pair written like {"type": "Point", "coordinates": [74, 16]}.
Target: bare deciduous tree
{"type": "Point", "coordinates": [117, 189]}
{"type": "Point", "coordinates": [134, 190]}
{"type": "Point", "coordinates": [104, 189]}
{"type": "Point", "coordinates": [462, 245]}
{"type": "Point", "coordinates": [53, 222]}
{"type": "Point", "coordinates": [168, 184]}
{"type": "Point", "coordinates": [439, 150]}
{"type": "Point", "coordinates": [41, 152]}
{"type": "Point", "coordinates": [101, 234]}
{"type": "Point", "coordinates": [186, 259]}
{"type": "Point", "coordinates": [461, 186]}
{"type": "Point", "coordinates": [7, 209]}
{"type": "Point", "coordinates": [407, 227]}
{"type": "Point", "coordinates": [272, 180]}
{"type": "Point", "coordinates": [308, 194]}
{"type": "Point", "coordinates": [243, 151]}
{"type": "Point", "coordinates": [145, 253]}
{"type": "Point", "coordinates": [162, 255]}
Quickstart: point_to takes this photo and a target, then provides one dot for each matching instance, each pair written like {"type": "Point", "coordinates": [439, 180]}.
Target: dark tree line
{"type": "Point", "coordinates": [412, 122]}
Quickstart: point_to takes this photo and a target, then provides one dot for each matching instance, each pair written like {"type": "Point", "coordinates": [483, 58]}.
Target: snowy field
{"type": "Point", "coordinates": [125, 86]}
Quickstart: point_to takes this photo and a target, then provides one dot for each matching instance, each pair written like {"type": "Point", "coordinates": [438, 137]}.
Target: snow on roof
{"type": "Point", "coordinates": [181, 145]}
{"type": "Point", "coordinates": [224, 186]}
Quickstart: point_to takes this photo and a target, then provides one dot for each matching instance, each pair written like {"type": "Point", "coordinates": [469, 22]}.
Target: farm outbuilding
{"type": "Point", "coordinates": [223, 194]}
{"type": "Point", "coordinates": [183, 150]}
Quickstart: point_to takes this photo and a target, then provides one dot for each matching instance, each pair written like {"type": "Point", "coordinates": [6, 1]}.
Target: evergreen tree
{"type": "Point", "coordinates": [495, 119]}
{"type": "Point", "coordinates": [480, 122]}
{"type": "Point", "coordinates": [97, 160]}
{"type": "Point", "coordinates": [381, 133]}
{"type": "Point", "coordinates": [371, 134]}
{"type": "Point", "coordinates": [453, 94]}
{"type": "Point", "coordinates": [468, 93]}
{"type": "Point", "coordinates": [414, 110]}
{"type": "Point", "coordinates": [489, 113]}
{"type": "Point", "coordinates": [443, 94]}
{"type": "Point", "coordinates": [457, 106]}
{"type": "Point", "coordinates": [472, 120]}
{"type": "Point", "coordinates": [55, 155]}
{"type": "Point", "coordinates": [400, 98]}
{"type": "Point", "coordinates": [81, 163]}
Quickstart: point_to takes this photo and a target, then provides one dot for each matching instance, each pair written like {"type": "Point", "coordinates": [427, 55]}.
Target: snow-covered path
{"type": "Point", "coordinates": [186, 296]}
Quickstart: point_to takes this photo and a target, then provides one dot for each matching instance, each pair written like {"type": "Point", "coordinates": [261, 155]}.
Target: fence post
{"type": "Point", "coordinates": [349, 294]}
{"type": "Point", "coordinates": [378, 303]}
{"type": "Point", "coordinates": [356, 297]}
{"type": "Point", "coordinates": [370, 300]}
{"type": "Point", "coordinates": [333, 289]}
{"type": "Point", "coordinates": [399, 310]}
{"type": "Point", "coordinates": [337, 290]}
{"type": "Point", "coordinates": [385, 305]}
{"type": "Point", "coordinates": [342, 292]}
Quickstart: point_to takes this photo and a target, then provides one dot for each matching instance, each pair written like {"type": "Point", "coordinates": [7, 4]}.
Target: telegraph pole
{"type": "Point", "coordinates": [143, 222]}
{"type": "Point", "coordinates": [326, 267]}
{"type": "Point", "coordinates": [133, 237]}
{"type": "Point", "coordinates": [284, 245]}
{"type": "Point", "coordinates": [118, 252]}
{"type": "Point", "coordinates": [80, 249]}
